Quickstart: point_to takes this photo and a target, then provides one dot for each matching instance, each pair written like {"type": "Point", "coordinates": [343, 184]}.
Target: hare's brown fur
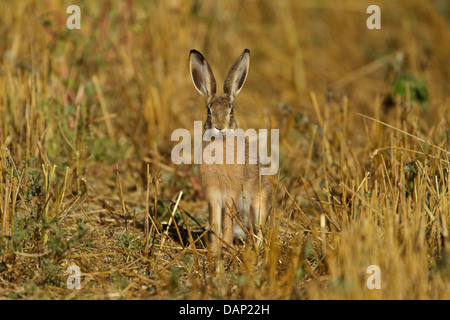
{"type": "Point", "coordinates": [229, 187]}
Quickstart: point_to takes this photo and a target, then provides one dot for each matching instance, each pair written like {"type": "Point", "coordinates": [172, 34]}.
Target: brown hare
{"type": "Point", "coordinates": [238, 186]}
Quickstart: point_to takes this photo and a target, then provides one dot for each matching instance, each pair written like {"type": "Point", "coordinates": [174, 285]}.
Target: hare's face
{"type": "Point", "coordinates": [220, 115]}
{"type": "Point", "coordinates": [220, 108]}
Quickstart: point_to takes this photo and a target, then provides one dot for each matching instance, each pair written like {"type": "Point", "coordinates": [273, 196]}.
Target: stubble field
{"type": "Point", "coordinates": [86, 176]}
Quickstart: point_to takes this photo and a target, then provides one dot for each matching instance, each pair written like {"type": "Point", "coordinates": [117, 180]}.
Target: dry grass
{"type": "Point", "coordinates": [85, 170]}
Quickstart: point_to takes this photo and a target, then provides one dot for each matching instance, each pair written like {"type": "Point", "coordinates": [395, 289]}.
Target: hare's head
{"type": "Point", "coordinates": [220, 109]}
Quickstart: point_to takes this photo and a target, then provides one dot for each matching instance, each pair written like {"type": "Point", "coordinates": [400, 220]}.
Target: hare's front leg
{"type": "Point", "coordinates": [228, 226]}
{"type": "Point", "coordinates": [215, 217]}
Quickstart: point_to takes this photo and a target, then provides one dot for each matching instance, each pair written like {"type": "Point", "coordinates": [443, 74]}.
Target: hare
{"type": "Point", "coordinates": [228, 187]}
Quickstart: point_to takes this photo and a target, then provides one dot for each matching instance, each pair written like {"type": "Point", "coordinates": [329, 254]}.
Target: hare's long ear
{"type": "Point", "coordinates": [202, 75]}
{"type": "Point", "coordinates": [236, 76]}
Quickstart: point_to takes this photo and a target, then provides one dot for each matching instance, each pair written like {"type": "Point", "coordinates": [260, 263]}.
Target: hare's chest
{"type": "Point", "coordinates": [220, 170]}
{"type": "Point", "coordinates": [223, 151]}
{"type": "Point", "coordinates": [224, 175]}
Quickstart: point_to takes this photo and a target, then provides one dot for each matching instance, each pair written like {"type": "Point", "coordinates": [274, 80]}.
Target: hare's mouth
{"type": "Point", "coordinates": [220, 130]}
